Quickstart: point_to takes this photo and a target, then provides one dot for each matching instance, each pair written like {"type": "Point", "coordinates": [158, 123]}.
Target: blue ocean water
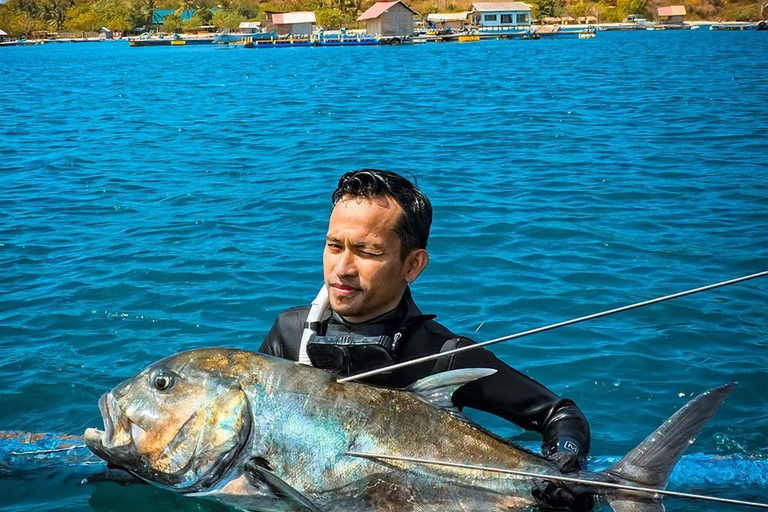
{"type": "Point", "coordinates": [154, 200]}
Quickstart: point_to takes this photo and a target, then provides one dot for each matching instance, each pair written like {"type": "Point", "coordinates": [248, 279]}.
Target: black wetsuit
{"type": "Point", "coordinates": [507, 393]}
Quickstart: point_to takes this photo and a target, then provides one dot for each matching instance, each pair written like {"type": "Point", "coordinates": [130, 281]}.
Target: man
{"type": "Point", "coordinates": [375, 248]}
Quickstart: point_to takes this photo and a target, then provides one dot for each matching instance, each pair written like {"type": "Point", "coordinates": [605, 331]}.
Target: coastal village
{"type": "Point", "coordinates": [380, 23]}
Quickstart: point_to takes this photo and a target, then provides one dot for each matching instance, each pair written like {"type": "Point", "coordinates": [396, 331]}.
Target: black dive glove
{"type": "Point", "coordinates": [556, 495]}
{"type": "Point", "coordinates": [550, 496]}
{"type": "Point", "coordinates": [567, 462]}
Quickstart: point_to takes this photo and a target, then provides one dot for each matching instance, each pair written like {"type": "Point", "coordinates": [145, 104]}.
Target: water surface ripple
{"type": "Point", "coordinates": [159, 199]}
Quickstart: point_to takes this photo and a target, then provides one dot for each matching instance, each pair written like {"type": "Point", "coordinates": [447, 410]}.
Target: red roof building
{"type": "Point", "coordinates": [298, 23]}
{"type": "Point", "coordinates": [671, 14]}
{"type": "Point", "coordinates": [389, 19]}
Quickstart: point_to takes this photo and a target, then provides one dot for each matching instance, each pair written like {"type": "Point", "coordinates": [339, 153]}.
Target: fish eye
{"type": "Point", "coordinates": [163, 380]}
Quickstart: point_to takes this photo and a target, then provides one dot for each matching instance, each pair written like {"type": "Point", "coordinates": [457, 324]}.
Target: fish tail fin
{"type": "Point", "coordinates": [651, 462]}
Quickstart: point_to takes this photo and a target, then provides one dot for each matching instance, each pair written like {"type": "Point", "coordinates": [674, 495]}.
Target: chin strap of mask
{"type": "Point", "coordinates": [313, 323]}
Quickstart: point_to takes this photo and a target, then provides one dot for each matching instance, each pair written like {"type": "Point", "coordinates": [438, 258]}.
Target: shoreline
{"type": "Point", "coordinates": [543, 29]}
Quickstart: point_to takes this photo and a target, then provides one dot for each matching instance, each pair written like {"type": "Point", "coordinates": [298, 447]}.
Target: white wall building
{"type": "Point", "coordinates": [500, 15]}
{"type": "Point", "coordinates": [299, 23]}
{"type": "Point", "coordinates": [250, 27]}
{"type": "Point", "coordinates": [454, 20]}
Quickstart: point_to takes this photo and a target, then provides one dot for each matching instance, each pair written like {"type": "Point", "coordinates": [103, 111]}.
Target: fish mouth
{"type": "Point", "coordinates": [115, 441]}
{"type": "Point", "coordinates": [116, 444]}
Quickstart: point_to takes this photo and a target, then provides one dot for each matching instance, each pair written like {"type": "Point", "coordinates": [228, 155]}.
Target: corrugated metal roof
{"type": "Point", "coordinates": [448, 16]}
{"type": "Point", "coordinates": [3, 32]}
{"type": "Point", "coordinates": [158, 15]}
{"type": "Point", "coordinates": [672, 10]}
{"type": "Point", "coordinates": [250, 24]}
{"type": "Point", "coordinates": [500, 6]}
{"type": "Point", "coordinates": [290, 18]}
{"type": "Point", "coordinates": [380, 8]}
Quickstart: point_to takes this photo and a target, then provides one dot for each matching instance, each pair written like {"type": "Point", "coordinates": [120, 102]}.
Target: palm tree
{"type": "Point", "coordinates": [55, 12]}
{"type": "Point", "coordinates": [30, 7]}
{"type": "Point", "coordinates": [148, 8]}
{"type": "Point", "coordinates": [185, 5]}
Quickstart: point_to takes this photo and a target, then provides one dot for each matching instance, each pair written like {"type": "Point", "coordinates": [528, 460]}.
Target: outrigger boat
{"type": "Point", "coordinates": [174, 40]}
{"type": "Point", "coordinates": [344, 39]}
{"type": "Point", "coordinates": [321, 39]}
{"type": "Point", "coordinates": [248, 32]}
{"type": "Point", "coordinates": [736, 25]}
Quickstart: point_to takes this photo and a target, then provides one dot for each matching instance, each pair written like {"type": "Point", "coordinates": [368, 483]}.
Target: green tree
{"type": "Point", "coordinates": [626, 7]}
{"type": "Point", "coordinates": [535, 10]}
{"type": "Point", "coordinates": [114, 14]}
{"type": "Point", "coordinates": [6, 18]}
{"type": "Point", "coordinates": [608, 13]}
{"type": "Point", "coordinates": [330, 17]}
{"type": "Point", "coordinates": [550, 8]}
{"type": "Point", "coordinates": [23, 24]}
{"type": "Point", "coordinates": [251, 9]}
{"type": "Point", "coordinates": [581, 9]}
{"type": "Point", "coordinates": [192, 23]}
{"type": "Point", "coordinates": [185, 5]}
{"type": "Point", "coordinates": [82, 18]}
{"type": "Point", "coordinates": [147, 8]}
{"type": "Point", "coordinates": [205, 15]}
{"type": "Point", "coordinates": [230, 20]}
{"type": "Point", "coordinates": [172, 23]}
{"type": "Point", "coordinates": [55, 12]}
{"type": "Point", "coordinates": [30, 7]}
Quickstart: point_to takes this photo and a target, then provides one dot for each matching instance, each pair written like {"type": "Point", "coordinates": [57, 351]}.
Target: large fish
{"type": "Point", "coordinates": [268, 434]}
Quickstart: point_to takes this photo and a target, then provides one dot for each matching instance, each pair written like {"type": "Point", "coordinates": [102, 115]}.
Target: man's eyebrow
{"type": "Point", "coordinates": [329, 238]}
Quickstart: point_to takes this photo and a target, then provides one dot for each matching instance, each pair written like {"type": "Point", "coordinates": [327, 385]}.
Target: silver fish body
{"type": "Point", "coordinates": [269, 434]}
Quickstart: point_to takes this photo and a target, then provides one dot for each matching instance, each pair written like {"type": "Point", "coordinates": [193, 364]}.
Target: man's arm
{"type": "Point", "coordinates": [523, 401]}
{"type": "Point", "coordinates": [284, 339]}
{"type": "Point", "coordinates": [273, 343]}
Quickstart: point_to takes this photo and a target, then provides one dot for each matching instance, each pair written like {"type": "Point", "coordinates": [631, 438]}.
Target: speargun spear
{"type": "Point", "coordinates": [447, 353]}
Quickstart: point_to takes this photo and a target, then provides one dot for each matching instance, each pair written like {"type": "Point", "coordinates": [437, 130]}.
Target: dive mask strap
{"type": "Point", "coordinates": [312, 325]}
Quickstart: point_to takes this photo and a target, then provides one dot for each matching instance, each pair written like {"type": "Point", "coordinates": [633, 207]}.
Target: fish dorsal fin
{"type": "Point", "coordinates": [437, 389]}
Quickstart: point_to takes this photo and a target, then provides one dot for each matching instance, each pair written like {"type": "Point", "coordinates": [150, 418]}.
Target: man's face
{"type": "Point", "coordinates": [362, 267]}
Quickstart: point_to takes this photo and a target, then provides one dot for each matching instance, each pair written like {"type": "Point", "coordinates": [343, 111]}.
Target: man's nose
{"type": "Point", "coordinates": [345, 266]}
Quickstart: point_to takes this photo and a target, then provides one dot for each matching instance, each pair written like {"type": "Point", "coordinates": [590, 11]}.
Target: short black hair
{"type": "Point", "coordinates": [413, 226]}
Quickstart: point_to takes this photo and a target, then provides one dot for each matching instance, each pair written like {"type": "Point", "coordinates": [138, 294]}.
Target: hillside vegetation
{"type": "Point", "coordinates": [24, 17]}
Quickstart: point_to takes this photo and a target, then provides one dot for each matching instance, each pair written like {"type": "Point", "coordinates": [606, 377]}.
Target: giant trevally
{"type": "Point", "coordinates": [269, 434]}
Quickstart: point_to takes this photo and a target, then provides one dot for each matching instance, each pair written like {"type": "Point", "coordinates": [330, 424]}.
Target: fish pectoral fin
{"type": "Point", "coordinates": [258, 472]}
{"type": "Point", "coordinates": [438, 389]}
{"type": "Point", "coordinates": [114, 474]}
{"type": "Point", "coordinates": [619, 504]}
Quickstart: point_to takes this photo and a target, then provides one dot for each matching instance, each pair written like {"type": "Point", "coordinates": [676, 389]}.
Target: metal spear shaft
{"type": "Point", "coordinates": [661, 492]}
{"type": "Point", "coordinates": [636, 305]}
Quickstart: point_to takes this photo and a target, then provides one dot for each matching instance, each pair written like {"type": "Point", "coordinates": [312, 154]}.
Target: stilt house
{"type": "Point", "coordinates": [388, 19]}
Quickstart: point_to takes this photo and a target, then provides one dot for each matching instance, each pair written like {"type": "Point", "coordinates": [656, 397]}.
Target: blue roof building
{"type": "Point", "coordinates": [158, 16]}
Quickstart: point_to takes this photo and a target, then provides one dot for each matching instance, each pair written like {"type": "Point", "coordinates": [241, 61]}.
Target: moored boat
{"type": "Point", "coordinates": [248, 31]}
{"type": "Point", "coordinates": [344, 39]}
{"type": "Point", "coordinates": [280, 42]}
{"type": "Point", "coordinates": [321, 39]}
{"type": "Point", "coordinates": [174, 40]}
{"type": "Point", "coordinates": [739, 25]}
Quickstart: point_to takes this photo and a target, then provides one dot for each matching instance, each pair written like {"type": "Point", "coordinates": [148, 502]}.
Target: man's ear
{"type": "Point", "coordinates": [414, 264]}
